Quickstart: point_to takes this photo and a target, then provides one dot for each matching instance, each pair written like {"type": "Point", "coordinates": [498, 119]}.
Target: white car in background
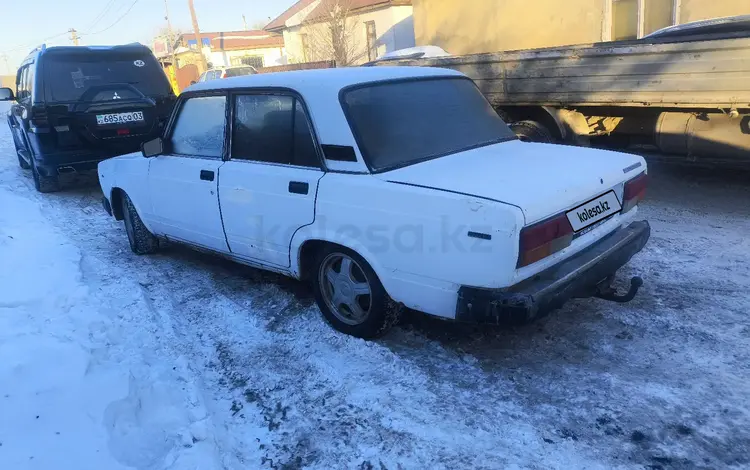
{"type": "Point", "coordinates": [386, 188]}
{"type": "Point", "coordinates": [226, 72]}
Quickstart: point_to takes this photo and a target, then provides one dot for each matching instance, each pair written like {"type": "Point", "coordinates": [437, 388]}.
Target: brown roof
{"type": "Point", "coordinates": [226, 40]}
{"type": "Point", "coordinates": [279, 22]}
{"type": "Point", "coordinates": [321, 9]}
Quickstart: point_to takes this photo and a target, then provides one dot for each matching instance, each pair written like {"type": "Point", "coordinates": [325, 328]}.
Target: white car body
{"type": "Point", "coordinates": [410, 224]}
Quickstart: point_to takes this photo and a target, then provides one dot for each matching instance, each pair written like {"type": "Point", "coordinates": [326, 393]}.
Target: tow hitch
{"type": "Point", "coordinates": [605, 291]}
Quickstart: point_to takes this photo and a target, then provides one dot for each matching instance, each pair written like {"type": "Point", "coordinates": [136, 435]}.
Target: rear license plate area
{"type": "Point", "coordinates": [594, 211]}
{"type": "Point", "coordinates": [120, 118]}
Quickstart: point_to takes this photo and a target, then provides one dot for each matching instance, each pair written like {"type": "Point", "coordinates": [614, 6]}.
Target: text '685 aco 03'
{"type": "Point", "coordinates": [386, 188]}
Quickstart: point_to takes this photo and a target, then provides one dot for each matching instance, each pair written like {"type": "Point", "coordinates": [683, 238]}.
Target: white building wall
{"type": "Point", "coordinates": [394, 28]}
{"type": "Point", "coordinates": [271, 56]}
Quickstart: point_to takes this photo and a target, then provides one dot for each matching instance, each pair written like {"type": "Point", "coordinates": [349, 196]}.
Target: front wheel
{"type": "Point", "coordinates": [142, 242]}
{"type": "Point", "coordinates": [350, 295]}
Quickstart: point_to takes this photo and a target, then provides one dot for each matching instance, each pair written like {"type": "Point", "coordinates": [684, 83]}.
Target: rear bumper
{"type": "Point", "coordinates": [51, 159]}
{"type": "Point", "coordinates": [575, 277]}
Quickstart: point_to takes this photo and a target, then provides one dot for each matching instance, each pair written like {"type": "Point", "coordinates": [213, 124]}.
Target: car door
{"type": "Point", "coordinates": [183, 181]}
{"type": "Point", "coordinates": [268, 187]}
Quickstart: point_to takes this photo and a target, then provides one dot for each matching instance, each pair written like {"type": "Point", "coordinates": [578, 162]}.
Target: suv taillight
{"type": "Point", "coordinates": [38, 121]}
{"type": "Point", "coordinates": [543, 239]}
{"type": "Point", "coordinates": [635, 191]}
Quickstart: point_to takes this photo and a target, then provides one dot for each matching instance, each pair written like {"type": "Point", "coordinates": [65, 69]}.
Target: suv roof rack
{"type": "Point", "coordinates": [42, 47]}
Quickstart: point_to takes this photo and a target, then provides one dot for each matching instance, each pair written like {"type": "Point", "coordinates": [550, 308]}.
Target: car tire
{"type": "Point", "coordinates": [532, 131]}
{"type": "Point", "coordinates": [44, 184]}
{"type": "Point", "coordinates": [142, 242]}
{"type": "Point", "coordinates": [382, 312]}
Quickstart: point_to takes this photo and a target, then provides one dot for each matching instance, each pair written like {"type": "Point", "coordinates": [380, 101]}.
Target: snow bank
{"type": "Point", "coordinates": [84, 382]}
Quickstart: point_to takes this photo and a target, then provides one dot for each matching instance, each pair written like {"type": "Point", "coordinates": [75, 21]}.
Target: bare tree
{"type": "Point", "coordinates": [333, 33]}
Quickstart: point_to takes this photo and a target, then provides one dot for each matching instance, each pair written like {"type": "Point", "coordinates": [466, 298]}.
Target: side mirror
{"type": "Point", "coordinates": [152, 148]}
{"type": "Point", "coordinates": [193, 82]}
{"type": "Point", "coordinates": [6, 94]}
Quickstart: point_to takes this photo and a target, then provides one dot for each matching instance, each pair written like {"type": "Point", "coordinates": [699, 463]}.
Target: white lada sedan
{"type": "Point", "coordinates": [386, 188]}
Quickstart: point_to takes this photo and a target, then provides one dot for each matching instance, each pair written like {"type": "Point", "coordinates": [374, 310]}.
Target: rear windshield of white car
{"type": "Point", "coordinates": [98, 75]}
{"type": "Point", "coordinates": [401, 123]}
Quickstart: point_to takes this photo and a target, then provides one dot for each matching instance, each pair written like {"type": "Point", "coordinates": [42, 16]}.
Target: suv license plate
{"type": "Point", "coordinates": [119, 118]}
{"type": "Point", "coordinates": [593, 211]}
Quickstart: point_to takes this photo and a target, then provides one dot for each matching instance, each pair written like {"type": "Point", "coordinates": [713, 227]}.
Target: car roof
{"type": "Point", "coordinates": [53, 50]}
{"type": "Point", "coordinates": [323, 81]}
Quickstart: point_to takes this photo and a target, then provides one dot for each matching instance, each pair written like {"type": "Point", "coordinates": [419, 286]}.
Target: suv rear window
{"type": "Point", "coordinates": [68, 77]}
{"type": "Point", "coordinates": [401, 123]}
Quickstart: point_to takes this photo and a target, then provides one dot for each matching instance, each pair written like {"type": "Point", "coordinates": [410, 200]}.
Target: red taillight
{"type": "Point", "coordinates": [123, 131]}
{"type": "Point", "coordinates": [543, 239]}
{"type": "Point", "coordinates": [635, 191]}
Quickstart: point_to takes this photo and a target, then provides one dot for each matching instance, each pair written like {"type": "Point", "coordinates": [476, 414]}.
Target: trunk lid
{"type": "Point", "coordinates": [541, 179]}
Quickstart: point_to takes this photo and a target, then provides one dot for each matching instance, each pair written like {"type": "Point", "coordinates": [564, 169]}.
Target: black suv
{"type": "Point", "coordinates": [77, 106]}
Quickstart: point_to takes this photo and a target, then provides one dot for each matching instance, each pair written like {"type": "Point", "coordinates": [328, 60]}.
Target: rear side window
{"type": "Point", "coordinates": [199, 130]}
{"type": "Point", "coordinates": [274, 129]}
{"type": "Point", "coordinates": [96, 76]}
{"type": "Point", "coordinates": [22, 91]}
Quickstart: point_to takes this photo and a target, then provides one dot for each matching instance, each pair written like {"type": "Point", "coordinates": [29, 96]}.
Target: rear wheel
{"type": "Point", "coordinates": [350, 295]}
{"type": "Point", "coordinates": [142, 242]}
{"type": "Point", "coordinates": [44, 184]}
{"type": "Point", "coordinates": [532, 131]}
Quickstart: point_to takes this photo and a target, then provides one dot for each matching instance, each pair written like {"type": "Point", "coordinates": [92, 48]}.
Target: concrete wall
{"type": "Point", "coordinates": [8, 81]}
{"type": "Point", "coordinates": [694, 10]}
{"type": "Point", "coordinates": [475, 26]}
{"type": "Point", "coordinates": [624, 19]}
{"type": "Point", "coordinates": [465, 27]}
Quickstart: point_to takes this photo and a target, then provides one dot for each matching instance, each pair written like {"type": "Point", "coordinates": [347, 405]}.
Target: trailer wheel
{"type": "Point", "coordinates": [532, 131]}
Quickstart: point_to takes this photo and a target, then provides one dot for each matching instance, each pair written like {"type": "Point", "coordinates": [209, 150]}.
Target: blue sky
{"type": "Point", "coordinates": [25, 24]}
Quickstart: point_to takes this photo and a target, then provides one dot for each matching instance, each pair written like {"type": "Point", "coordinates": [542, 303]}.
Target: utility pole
{"type": "Point", "coordinates": [73, 36]}
{"type": "Point", "coordinates": [198, 38]}
{"type": "Point", "coordinates": [170, 38]}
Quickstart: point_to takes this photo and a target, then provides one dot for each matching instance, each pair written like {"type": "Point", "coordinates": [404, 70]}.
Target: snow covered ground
{"type": "Point", "coordinates": [184, 361]}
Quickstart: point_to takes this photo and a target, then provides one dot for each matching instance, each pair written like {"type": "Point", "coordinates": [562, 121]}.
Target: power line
{"type": "Point", "coordinates": [116, 21]}
{"type": "Point", "coordinates": [32, 44]}
{"type": "Point", "coordinates": [101, 14]}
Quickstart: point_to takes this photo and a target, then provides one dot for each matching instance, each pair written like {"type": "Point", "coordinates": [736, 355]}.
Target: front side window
{"type": "Point", "coordinates": [200, 127]}
{"type": "Point", "coordinates": [404, 122]}
{"type": "Point", "coordinates": [273, 129]}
